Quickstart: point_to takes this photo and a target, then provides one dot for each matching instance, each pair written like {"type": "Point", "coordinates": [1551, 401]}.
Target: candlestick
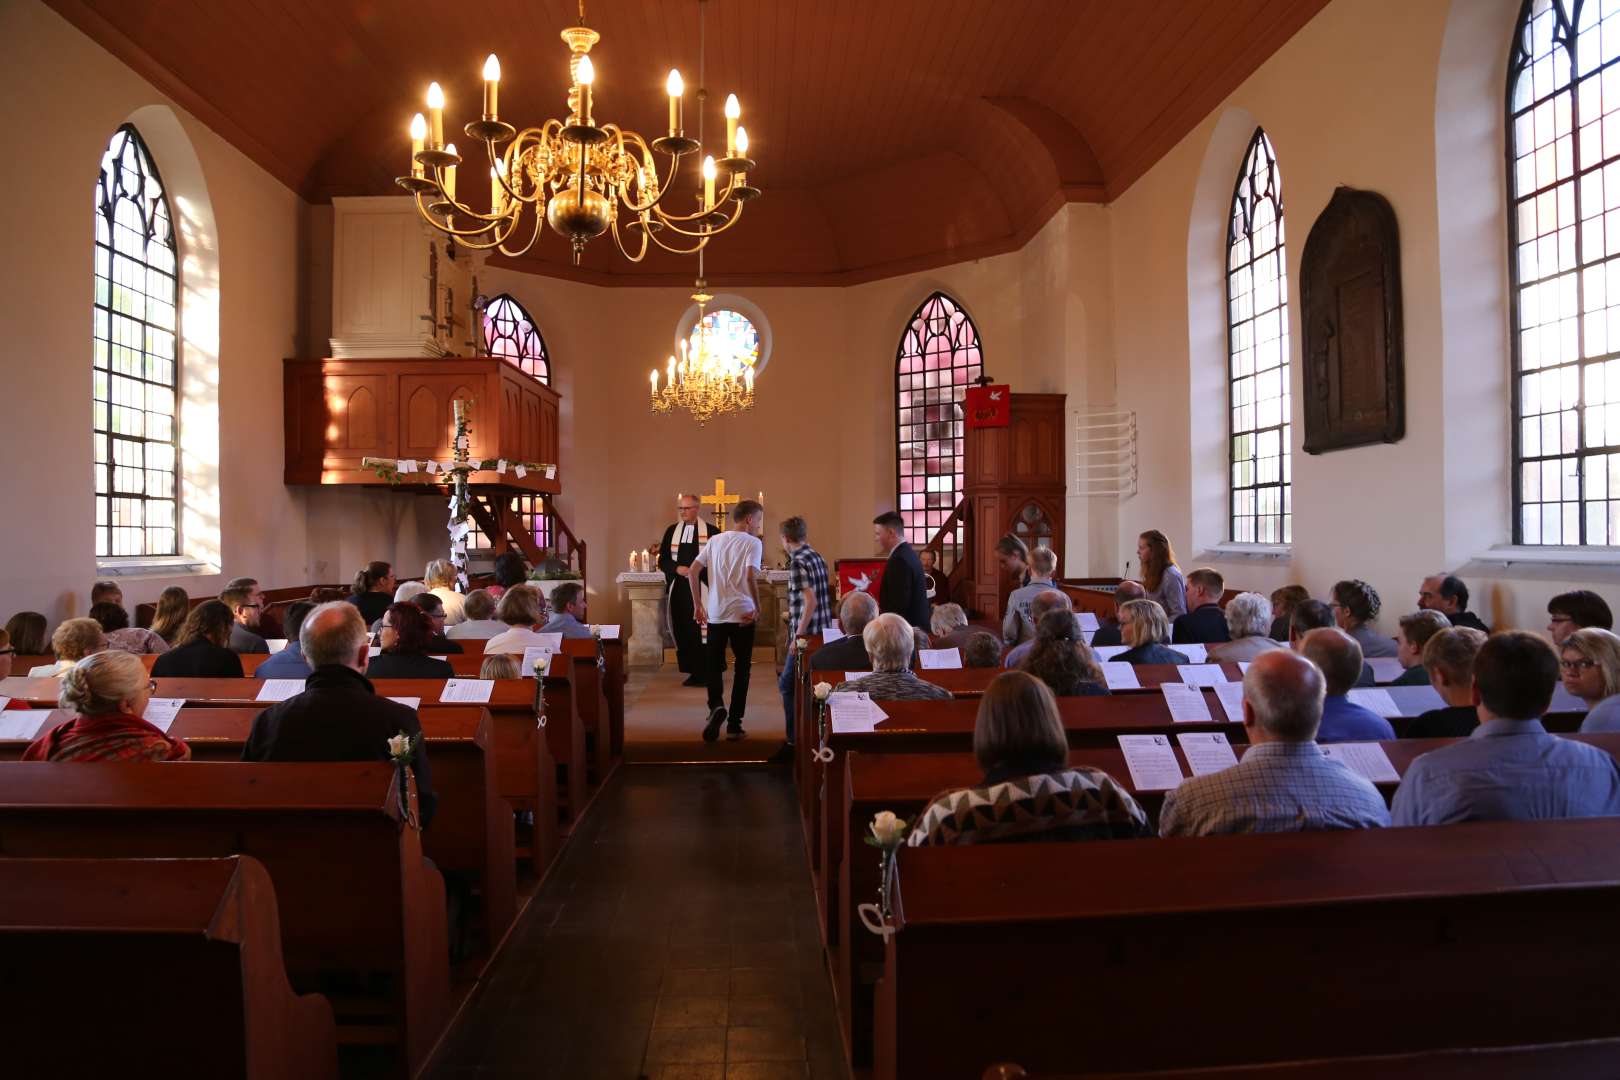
{"type": "Point", "coordinates": [586, 76]}
{"type": "Point", "coordinates": [654, 379]}
{"type": "Point", "coordinates": [495, 192]}
{"type": "Point", "coordinates": [733, 111]}
{"type": "Point", "coordinates": [669, 380]}
{"type": "Point", "coordinates": [418, 138]}
{"type": "Point", "coordinates": [741, 178]}
{"type": "Point", "coordinates": [450, 176]}
{"type": "Point", "coordinates": [648, 561]}
{"type": "Point", "coordinates": [708, 183]}
{"type": "Point", "coordinates": [492, 79]}
{"type": "Point", "coordinates": [435, 104]}
{"type": "Point", "coordinates": [633, 567]}
{"type": "Point", "coordinates": [676, 88]}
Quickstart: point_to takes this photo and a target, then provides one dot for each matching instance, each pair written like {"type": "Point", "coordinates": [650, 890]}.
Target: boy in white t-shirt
{"type": "Point", "coordinates": [733, 560]}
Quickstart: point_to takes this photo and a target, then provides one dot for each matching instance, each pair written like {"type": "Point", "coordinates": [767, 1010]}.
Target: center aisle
{"type": "Point", "coordinates": [674, 940]}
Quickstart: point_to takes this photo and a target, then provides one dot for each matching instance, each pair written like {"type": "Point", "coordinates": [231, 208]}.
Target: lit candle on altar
{"type": "Point", "coordinates": [676, 88]}
{"type": "Point", "coordinates": [450, 175]}
{"type": "Point", "coordinates": [708, 182]}
{"type": "Point", "coordinates": [647, 562]}
{"type": "Point", "coordinates": [418, 138]}
{"type": "Point", "coordinates": [435, 104]}
{"type": "Point", "coordinates": [733, 111]}
{"type": "Point", "coordinates": [587, 75]}
{"type": "Point", "coordinates": [492, 81]}
{"type": "Point", "coordinates": [633, 566]}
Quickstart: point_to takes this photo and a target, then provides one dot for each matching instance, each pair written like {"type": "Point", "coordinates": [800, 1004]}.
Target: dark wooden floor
{"type": "Point", "coordinates": [675, 940]}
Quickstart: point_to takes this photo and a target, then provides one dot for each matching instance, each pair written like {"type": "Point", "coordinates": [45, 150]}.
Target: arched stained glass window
{"type": "Point", "coordinates": [939, 359]}
{"type": "Point", "coordinates": [135, 357]}
{"type": "Point", "coordinates": [510, 333]}
{"type": "Point", "coordinates": [1563, 142]}
{"type": "Point", "coordinates": [1257, 351]}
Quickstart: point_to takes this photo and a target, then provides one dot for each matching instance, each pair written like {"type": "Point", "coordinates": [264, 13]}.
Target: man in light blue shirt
{"type": "Point", "coordinates": [1510, 769]}
{"type": "Point", "coordinates": [1339, 656]}
{"type": "Point", "coordinates": [568, 601]}
{"type": "Point", "coordinates": [289, 663]}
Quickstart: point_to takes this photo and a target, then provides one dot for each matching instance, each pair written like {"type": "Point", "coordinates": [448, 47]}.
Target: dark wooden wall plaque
{"type": "Point", "coordinates": [1350, 300]}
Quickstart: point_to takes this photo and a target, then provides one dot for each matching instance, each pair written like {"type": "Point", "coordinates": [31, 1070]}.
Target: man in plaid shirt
{"type": "Point", "coordinates": [809, 612]}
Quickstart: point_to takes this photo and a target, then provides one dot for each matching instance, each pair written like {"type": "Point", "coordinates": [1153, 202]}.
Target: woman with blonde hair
{"type": "Point", "coordinates": [1589, 661]}
{"type": "Point", "coordinates": [522, 609]}
{"type": "Point", "coordinates": [1144, 628]}
{"type": "Point", "coordinates": [74, 640]}
{"type": "Point", "coordinates": [107, 692]}
{"type": "Point", "coordinates": [1161, 577]}
{"type": "Point", "coordinates": [500, 666]}
{"type": "Point", "coordinates": [173, 606]}
{"type": "Point", "coordinates": [441, 577]}
{"type": "Point", "coordinates": [1283, 603]}
{"type": "Point", "coordinates": [1030, 791]}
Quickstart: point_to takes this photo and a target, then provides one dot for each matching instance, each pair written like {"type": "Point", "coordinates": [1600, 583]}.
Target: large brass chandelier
{"type": "Point", "coordinates": [582, 178]}
{"type": "Point", "coordinates": [713, 377]}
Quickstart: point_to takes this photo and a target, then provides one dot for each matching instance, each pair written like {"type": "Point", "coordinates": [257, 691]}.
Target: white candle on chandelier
{"type": "Point", "coordinates": [497, 187]}
{"type": "Point", "coordinates": [708, 182]}
{"type": "Point", "coordinates": [748, 378]}
{"type": "Point", "coordinates": [670, 379]}
{"type": "Point", "coordinates": [741, 178]}
{"type": "Point", "coordinates": [435, 104]}
{"type": "Point", "coordinates": [418, 139]}
{"type": "Point", "coordinates": [450, 175]}
{"type": "Point", "coordinates": [733, 111]}
{"type": "Point", "coordinates": [492, 80]}
{"type": "Point", "coordinates": [587, 75]}
{"type": "Point", "coordinates": [675, 87]}
{"type": "Point", "coordinates": [654, 380]}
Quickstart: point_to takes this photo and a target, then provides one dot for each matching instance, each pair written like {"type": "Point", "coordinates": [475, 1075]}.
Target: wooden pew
{"type": "Point", "coordinates": [1381, 941]}
{"type": "Point", "coordinates": [356, 897]}
{"type": "Point", "coordinates": [102, 956]}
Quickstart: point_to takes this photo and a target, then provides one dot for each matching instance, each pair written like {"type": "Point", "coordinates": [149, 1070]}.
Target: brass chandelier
{"type": "Point", "coordinates": [582, 178]}
{"type": "Point", "coordinates": [714, 377]}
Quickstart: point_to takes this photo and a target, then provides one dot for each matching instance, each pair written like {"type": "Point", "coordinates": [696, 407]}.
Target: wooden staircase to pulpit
{"type": "Point", "coordinates": [337, 412]}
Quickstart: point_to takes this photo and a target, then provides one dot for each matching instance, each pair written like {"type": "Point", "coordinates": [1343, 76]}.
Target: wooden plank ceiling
{"type": "Point", "coordinates": [892, 135]}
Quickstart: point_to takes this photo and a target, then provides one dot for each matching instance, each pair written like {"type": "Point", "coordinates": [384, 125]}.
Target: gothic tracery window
{"type": "Point", "coordinates": [135, 356]}
{"type": "Point", "coordinates": [1257, 350]}
{"type": "Point", "coordinates": [510, 333]}
{"type": "Point", "coordinates": [939, 359]}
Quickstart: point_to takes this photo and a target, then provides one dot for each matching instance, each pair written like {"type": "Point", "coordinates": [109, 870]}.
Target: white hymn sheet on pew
{"type": "Point", "coordinates": [275, 644]}
{"type": "Point", "coordinates": [467, 691]}
{"type": "Point", "coordinates": [1415, 700]}
{"type": "Point", "coordinates": [408, 702]}
{"type": "Point", "coordinates": [161, 711]}
{"type": "Point", "coordinates": [1108, 652]}
{"type": "Point", "coordinates": [936, 659]}
{"type": "Point", "coordinates": [1198, 653]}
{"type": "Point", "coordinates": [851, 676]}
{"type": "Point", "coordinates": [1366, 758]}
{"type": "Point", "coordinates": [1187, 704]}
{"type": "Point", "coordinates": [21, 724]}
{"type": "Point", "coordinates": [550, 641]}
{"type": "Point", "coordinates": [1088, 621]}
{"type": "Point", "coordinates": [1152, 762]}
{"type": "Point", "coordinates": [1206, 751]}
{"type": "Point", "coordinates": [1088, 635]}
{"type": "Point", "coordinates": [280, 689]}
{"type": "Point", "coordinates": [609, 631]}
{"type": "Point", "coordinates": [1378, 700]}
{"type": "Point", "coordinates": [1231, 695]}
{"type": "Point", "coordinates": [1119, 676]}
{"type": "Point", "coordinates": [830, 635]}
{"type": "Point", "coordinates": [536, 658]}
{"type": "Point", "coordinates": [853, 711]}
{"type": "Point", "coordinates": [1386, 669]}
{"type": "Point", "coordinates": [1201, 674]}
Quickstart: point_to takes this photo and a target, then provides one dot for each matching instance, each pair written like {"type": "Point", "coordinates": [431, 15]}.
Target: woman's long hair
{"type": "Point", "coordinates": [172, 608]}
{"type": "Point", "coordinates": [412, 631]}
{"type": "Point", "coordinates": [209, 621]}
{"type": "Point", "coordinates": [371, 575]}
{"type": "Point", "coordinates": [1060, 658]}
{"type": "Point", "coordinates": [1162, 558]}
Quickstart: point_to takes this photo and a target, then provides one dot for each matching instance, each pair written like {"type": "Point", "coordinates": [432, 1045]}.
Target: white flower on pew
{"type": "Point", "coordinates": [888, 831]}
{"type": "Point", "coordinates": [401, 748]}
{"type": "Point", "coordinates": [823, 690]}
{"type": "Point", "coordinates": [800, 644]}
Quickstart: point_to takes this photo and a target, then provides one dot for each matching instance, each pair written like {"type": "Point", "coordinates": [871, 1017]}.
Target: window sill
{"type": "Point", "coordinates": [1280, 554]}
{"type": "Point", "coordinates": [171, 566]}
{"type": "Point", "coordinates": [1548, 563]}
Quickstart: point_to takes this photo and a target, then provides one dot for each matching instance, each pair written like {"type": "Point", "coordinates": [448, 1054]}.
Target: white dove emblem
{"type": "Point", "coordinates": [863, 582]}
{"type": "Point", "coordinates": [995, 395]}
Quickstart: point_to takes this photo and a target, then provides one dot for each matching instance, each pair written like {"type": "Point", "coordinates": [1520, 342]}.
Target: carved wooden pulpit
{"type": "Point", "coordinates": [1013, 482]}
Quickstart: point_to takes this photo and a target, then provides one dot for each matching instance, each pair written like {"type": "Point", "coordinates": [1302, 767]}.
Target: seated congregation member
{"type": "Point", "coordinates": [26, 629]}
{"type": "Point", "coordinates": [1339, 656]}
{"type": "Point", "coordinates": [1566, 613]}
{"type": "Point", "coordinates": [173, 606]}
{"type": "Point", "coordinates": [1510, 768]}
{"type": "Point", "coordinates": [919, 642]}
{"type": "Point", "coordinates": [339, 716]}
{"type": "Point", "coordinates": [404, 637]}
{"type": "Point", "coordinates": [1412, 633]}
{"type": "Point", "coordinates": [983, 650]}
{"type": "Point", "coordinates": [107, 692]}
{"type": "Point", "coordinates": [373, 585]}
{"type": "Point", "coordinates": [500, 666]}
{"type": "Point", "coordinates": [1145, 629]}
{"type": "Point", "coordinates": [480, 624]}
{"type": "Point", "coordinates": [1048, 601]}
{"type": "Point", "coordinates": [6, 654]}
{"type": "Point", "coordinates": [890, 643]}
{"type": "Point", "coordinates": [855, 613]}
{"type": "Point", "coordinates": [1108, 628]}
{"type": "Point", "coordinates": [1589, 661]}
{"type": "Point", "coordinates": [1448, 657]}
{"type": "Point", "coordinates": [1018, 625]}
{"type": "Point", "coordinates": [1283, 783]}
{"type": "Point", "coordinates": [510, 570]}
{"type": "Point", "coordinates": [1161, 577]}
{"type": "Point", "coordinates": [932, 578]}
{"type": "Point", "coordinates": [114, 622]}
{"type": "Point", "coordinates": [440, 578]}
{"type": "Point", "coordinates": [245, 600]}
{"type": "Point", "coordinates": [520, 609]}
{"type": "Point", "coordinates": [1313, 615]}
{"type": "Point", "coordinates": [1061, 660]}
{"type": "Point", "coordinates": [1013, 556]}
{"type": "Point", "coordinates": [203, 649]}
{"type": "Point", "coordinates": [106, 592]}
{"type": "Point", "coordinates": [1029, 791]}
{"type": "Point", "coordinates": [408, 591]}
{"type": "Point", "coordinates": [74, 640]}
{"type": "Point", "coordinates": [1283, 603]}
{"type": "Point", "coordinates": [1204, 623]}
{"type": "Point", "coordinates": [1248, 624]}
{"type": "Point", "coordinates": [1447, 594]}
{"type": "Point", "coordinates": [568, 611]}
{"type": "Point", "coordinates": [289, 663]}
{"type": "Point", "coordinates": [1355, 607]}
{"type": "Point", "coordinates": [949, 625]}
{"type": "Point", "coordinates": [326, 594]}
{"type": "Point", "coordinates": [433, 608]}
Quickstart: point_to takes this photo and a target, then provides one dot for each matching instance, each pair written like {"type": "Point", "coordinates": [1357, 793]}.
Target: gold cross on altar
{"type": "Point", "coordinates": [721, 500]}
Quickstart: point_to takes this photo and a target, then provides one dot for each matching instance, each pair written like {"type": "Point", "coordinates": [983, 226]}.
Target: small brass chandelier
{"type": "Point", "coordinates": [714, 377]}
{"type": "Point", "coordinates": [582, 178]}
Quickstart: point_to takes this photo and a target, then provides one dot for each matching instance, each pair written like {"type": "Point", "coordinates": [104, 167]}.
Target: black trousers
{"type": "Point", "coordinates": [689, 655]}
{"type": "Point", "coordinates": [741, 640]}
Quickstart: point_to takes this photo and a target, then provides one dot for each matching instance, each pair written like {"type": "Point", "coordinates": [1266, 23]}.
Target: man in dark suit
{"type": "Point", "coordinates": [848, 653]}
{"type": "Point", "coordinates": [339, 716]}
{"type": "Point", "coordinates": [1205, 622]}
{"type": "Point", "coordinates": [904, 590]}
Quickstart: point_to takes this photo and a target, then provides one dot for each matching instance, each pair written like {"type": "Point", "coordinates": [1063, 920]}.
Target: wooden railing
{"type": "Point", "coordinates": [506, 528]}
{"type": "Point", "coordinates": [561, 532]}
